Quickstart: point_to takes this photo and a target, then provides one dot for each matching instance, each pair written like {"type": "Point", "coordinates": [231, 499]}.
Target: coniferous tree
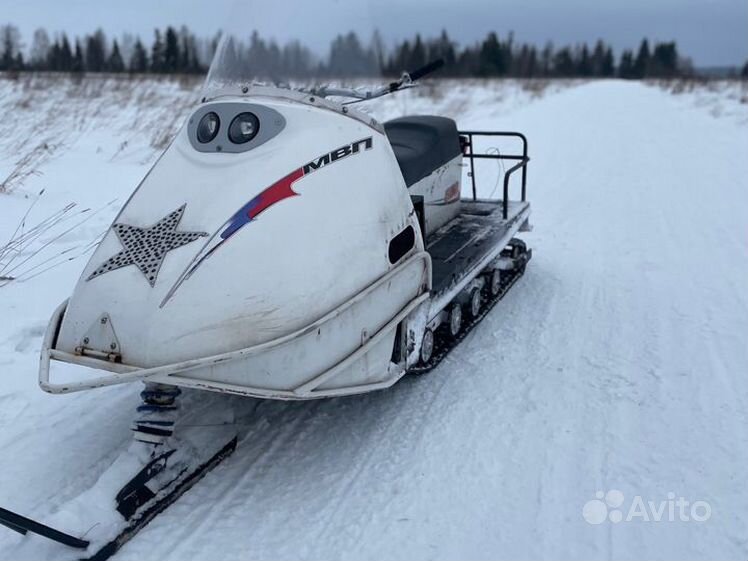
{"type": "Point", "coordinates": [642, 61]}
{"type": "Point", "coordinates": [52, 62]}
{"type": "Point", "coordinates": [546, 59]}
{"type": "Point", "coordinates": [65, 57]}
{"type": "Point", "coordinates": [79, 63]}
{"type": "Point", "coordinates": [532, 63]}
{"type": "Point", "coordinates": [190, 55]}
{"type": "Point", "coordinates": [185, 48]}
{"type": "Point", "coordinates": [584, 65]}
{"type": "Point", "coordinates": [608, 67]}
{"type": "Point", "coordinates": [298, 61]}
{"type": "Point", "coordinates": [417, 54]}
{"type": "Point", "coordinates": [171, 51]}
{"type": "Point", "coordinates": [115, 62]}
{"type": "Point", "coordinates": [157, 53]}
{"type": "Point", "coordinates": [524, 63]}
{"type": "Point", "coordinates": [664, 63]}
{"type": "Point", "coordinates": [490, 60]}
{"type": "Point", "coordinates": [139, 58]}
{"type": "Point", "coordinates": [505, 55]}
{"type": "Point", "coordinates": [467, 61]}
{"type": "Point", "coordinates": [626, 66]}
{"type": "Point", "coordinates": [78, 68]}
{"type": "Point", "coordinates": [96, 52]}
{"type": "Point", "coordinates": [744, 72]}
{"type": "Point", "coordinates": [349, 58]}
{"type": "Point", "coordinates": [256, 58]}
{"type": "Point", "coordinates": [443, 48]}
{"type": "Point", "coordinates": [597, 57]}
{"type": "Point", "coordinates": [563, 63]}
{"type": "Point", "coordinates": [399, 59]}
{"type": "Point", "coordinates": [275, 61]}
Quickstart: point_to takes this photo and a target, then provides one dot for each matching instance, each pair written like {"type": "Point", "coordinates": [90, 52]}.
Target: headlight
{"type": "Point", "coordinates": [244, 128]}
{"type": "Point", "coordinates": [207, 128]}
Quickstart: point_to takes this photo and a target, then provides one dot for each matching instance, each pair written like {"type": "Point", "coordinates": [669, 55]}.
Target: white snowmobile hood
{"type": "Point", "coordinates": [218, 251]}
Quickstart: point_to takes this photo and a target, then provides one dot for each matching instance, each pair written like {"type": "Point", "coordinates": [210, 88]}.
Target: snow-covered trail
{"type": "Point", "coordinates": [617, 362]}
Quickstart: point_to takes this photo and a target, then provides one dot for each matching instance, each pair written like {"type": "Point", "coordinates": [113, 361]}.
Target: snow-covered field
{"type": "Point", "coordinates": [618, 363]}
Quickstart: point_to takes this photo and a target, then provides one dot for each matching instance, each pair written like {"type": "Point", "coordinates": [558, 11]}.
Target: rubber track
{"type": "Point", "coordinates": [444, 343]}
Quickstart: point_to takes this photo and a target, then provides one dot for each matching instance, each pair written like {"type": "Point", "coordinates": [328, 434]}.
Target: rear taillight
{"type": "Point", "coordinates": [464, 144]}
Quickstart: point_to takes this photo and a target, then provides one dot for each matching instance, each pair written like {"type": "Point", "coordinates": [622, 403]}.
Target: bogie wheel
{"type": "Point", "coordinates": [455, 319]}
{"type": "Point", "coordinates": [427, 346]}
{"type": "Point", "coordinates": [475, 302]}
{"type": "Point", "coordinates": [495, 285]}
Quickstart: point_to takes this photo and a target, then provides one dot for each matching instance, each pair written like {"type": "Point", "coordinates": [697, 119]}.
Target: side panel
{"type": "Point", "coordinates": [441, 193]}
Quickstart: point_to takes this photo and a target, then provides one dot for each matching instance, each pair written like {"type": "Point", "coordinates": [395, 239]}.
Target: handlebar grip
{"type": "Point", "coordinates": [428, 69]}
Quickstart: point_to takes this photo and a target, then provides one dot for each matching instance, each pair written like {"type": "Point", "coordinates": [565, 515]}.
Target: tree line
{"type": "Point", "coordinates": [494, 57]}
{"type": "Point", "coordinates": [179, 51]}
{"type": "Point", "coordinates": [170, 51]}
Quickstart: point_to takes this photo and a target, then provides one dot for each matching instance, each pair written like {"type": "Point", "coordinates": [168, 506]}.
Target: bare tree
{"type": "Point", "coordinates": [40, 48]}
{"type": "Point", "coordinates": [127, 45]}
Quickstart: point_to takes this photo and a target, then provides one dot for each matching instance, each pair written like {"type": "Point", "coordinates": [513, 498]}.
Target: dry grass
{"type": "Point", "coordinates": [721, 98]}
{"type": "Point", "coordinates": [38, 245]}
{"type": "Point", "coordinates": [27, 165]}
{"type": "Point", "coordinates": [44, 114]}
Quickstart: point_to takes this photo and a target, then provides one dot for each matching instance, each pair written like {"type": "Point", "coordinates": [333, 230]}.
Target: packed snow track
{"type": "Point", "coordinates": [617, 362]}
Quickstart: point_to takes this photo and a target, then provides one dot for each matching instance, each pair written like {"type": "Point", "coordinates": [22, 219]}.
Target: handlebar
{"type": "Point", "coordinates": [432, 66]}
{"type": "Point", "coordinates": [407, 80]}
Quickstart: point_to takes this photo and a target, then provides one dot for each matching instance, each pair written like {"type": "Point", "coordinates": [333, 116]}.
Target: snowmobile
{"type": "Point", "coordinates": [288, 246]}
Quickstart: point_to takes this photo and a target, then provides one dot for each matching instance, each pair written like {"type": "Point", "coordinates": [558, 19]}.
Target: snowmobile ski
{"type": "Point", "coordinates": [24, 525]}
{"type": "Point", "coordinates": [139, 521]}
{"type": "Point", "coordinates": [126, 503]}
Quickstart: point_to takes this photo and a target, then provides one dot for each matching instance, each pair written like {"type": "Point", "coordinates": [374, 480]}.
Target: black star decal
{"type": "Point", "coordinates": [147, 247]}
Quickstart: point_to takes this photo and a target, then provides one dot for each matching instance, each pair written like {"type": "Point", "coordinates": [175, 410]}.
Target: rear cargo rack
{"type": "Point", "coordinates": [521, 160]}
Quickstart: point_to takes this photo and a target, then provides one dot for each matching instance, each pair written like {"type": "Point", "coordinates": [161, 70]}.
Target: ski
{"type": "Point", "coordinates": [135, 523]}
{"type": "Point", "coordinates": [141, 520]}
{"type": "Point", "coordinates": [24, 525]}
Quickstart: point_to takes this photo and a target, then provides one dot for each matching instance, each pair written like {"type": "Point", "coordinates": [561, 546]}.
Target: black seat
{"type": "Point", "coordinates": [422, 144]}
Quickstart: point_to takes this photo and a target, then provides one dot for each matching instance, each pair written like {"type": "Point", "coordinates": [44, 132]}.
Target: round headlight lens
{"type": "Point", "coordinates": [244, 128]}
{"type": "Point", "coordinates": [207, 128]}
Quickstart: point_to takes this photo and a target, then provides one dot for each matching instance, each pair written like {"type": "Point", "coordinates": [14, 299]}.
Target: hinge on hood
{"type": "Point", "coordinates": [100, 341]}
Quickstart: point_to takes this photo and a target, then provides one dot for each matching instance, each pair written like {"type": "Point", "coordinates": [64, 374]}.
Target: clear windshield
{"type": "Point", "coordinates": [299, 45]}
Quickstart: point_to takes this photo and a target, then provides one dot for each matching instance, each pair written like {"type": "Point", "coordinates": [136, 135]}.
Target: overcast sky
{"type": "Point", "coordinates": [711, 32]}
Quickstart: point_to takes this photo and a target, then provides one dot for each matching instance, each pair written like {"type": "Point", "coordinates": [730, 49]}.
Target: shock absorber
{"type": "Point", "coordinates": [157, 414]}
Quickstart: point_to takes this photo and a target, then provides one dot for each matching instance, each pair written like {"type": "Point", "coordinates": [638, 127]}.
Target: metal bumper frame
{"type": "Point", "coordinates": [120, 373]}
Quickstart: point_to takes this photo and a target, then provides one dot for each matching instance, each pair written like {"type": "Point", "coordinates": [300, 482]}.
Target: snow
{"type": "Point", "coordinates": [616, 363]}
